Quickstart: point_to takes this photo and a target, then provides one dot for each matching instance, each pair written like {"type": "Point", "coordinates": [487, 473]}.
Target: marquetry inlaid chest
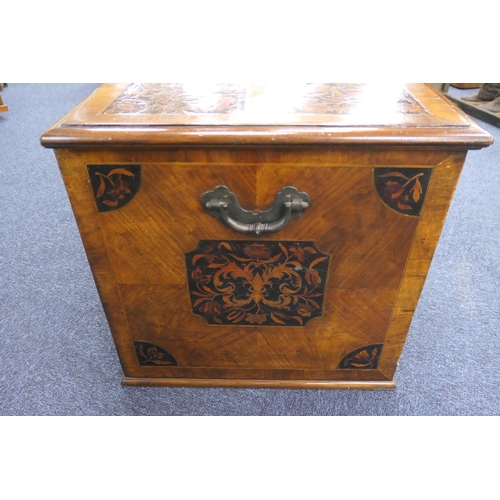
{"type": "Point", "coordinates": [261, 235]}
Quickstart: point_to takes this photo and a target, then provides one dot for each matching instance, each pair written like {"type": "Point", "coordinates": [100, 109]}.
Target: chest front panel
{"type": "Point", "coordinates": [200, 300]}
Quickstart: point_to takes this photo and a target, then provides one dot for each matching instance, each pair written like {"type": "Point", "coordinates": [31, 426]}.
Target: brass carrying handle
{"type": "Point", "coordinates": [223, 205]}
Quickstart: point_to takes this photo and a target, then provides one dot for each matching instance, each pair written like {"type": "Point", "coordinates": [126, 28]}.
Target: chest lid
{"type": "Point", "coordinates": [182, 114]}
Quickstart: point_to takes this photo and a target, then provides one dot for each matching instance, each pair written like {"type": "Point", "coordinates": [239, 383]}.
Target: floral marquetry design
{"type": "Point", "coordinates": [114, 185]}
{"type": "Point", "coordinates": [152, 355]}
{"type": "Point", "coordinates": [257, 283]}
{"type": "Point", "coordinates": [178, 99]}
{"type": "Point", "coordinates": [348, 98]}
{"type": "Point", "coordinates": [403, 189]}
{"type": "Point", "coordinates": [366, 357]}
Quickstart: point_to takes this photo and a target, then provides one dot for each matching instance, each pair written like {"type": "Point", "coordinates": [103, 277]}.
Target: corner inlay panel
{"type": "Point", "coordinates": [152, 355]}
{"type": "Point", "coordinates": [403, 189]}
{"type": "Point", "coordinates": [366, 357]}
{"type": "Point", "coordinates": [114, 185]}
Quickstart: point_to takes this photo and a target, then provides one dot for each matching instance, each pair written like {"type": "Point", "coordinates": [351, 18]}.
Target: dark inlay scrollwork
{"type": "Point", "coordinates": [267, 283]}
{"type": "Point", "coordinates": [403, 189]}
{"type": "Point", "coordinates": [114, 185]}
{"type": "Point", "coordinates": [152, 355]}
{"type": "Point", "coordinates": [364, 358]}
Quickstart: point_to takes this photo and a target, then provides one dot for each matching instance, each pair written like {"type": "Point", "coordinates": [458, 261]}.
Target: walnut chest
{"type": "Point", "coordinates": [261, 235]}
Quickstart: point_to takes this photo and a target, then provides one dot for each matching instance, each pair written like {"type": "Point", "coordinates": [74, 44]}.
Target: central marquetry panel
{"type": "Point", "coordinates": [257, 282]}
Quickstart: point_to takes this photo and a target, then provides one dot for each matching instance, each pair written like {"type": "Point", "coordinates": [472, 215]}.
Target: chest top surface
{"type": "Point", "coordinates": [166, 114]}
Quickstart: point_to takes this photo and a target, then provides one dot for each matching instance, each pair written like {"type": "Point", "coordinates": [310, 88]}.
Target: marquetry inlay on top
{"type": "Point", "coordinates": [309, 98]}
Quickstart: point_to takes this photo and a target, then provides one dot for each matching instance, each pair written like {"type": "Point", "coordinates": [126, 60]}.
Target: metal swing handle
{"type": "Point", "coordinates": [223, 205]}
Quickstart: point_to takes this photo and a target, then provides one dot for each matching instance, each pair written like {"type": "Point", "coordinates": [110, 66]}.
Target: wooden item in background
{"type": "Point", "coordinates": [466, 85]}
{"type": "Point", "coordinates": [324, 302]}
{"type": "Point", "coordinates": [476, 110]}
{"type": "Point", "coordinates": [3, 107]}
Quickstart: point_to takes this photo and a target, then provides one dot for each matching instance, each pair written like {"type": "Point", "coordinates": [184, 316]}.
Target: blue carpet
{"type": "Point", "coordinates": [57, 356]}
